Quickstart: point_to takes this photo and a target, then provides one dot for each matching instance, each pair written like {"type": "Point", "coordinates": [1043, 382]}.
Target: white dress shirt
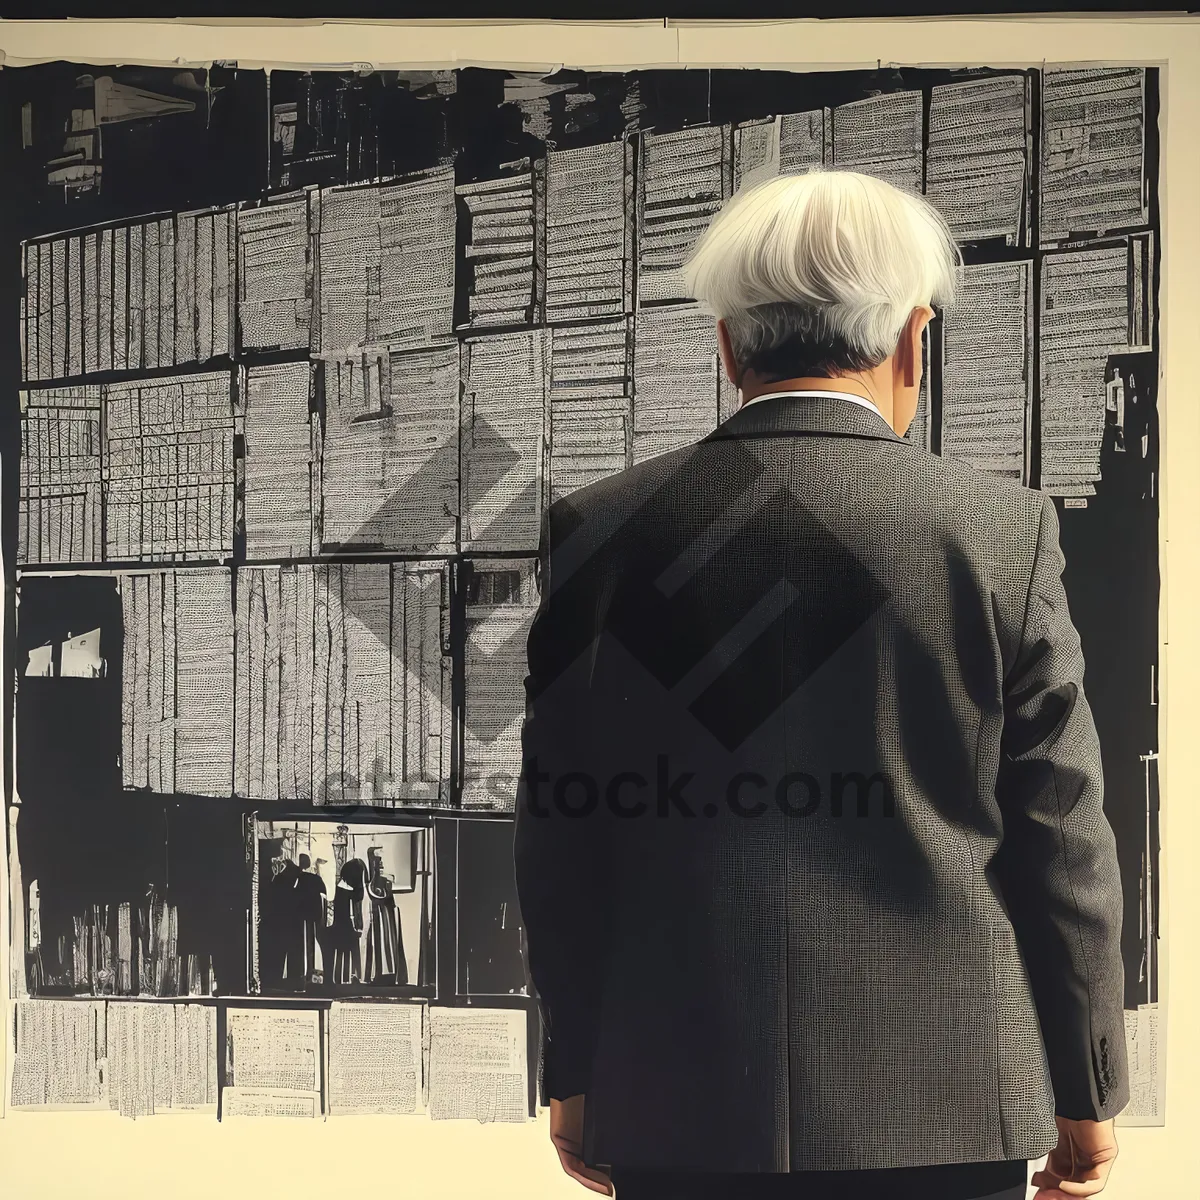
{"type": "Point", "coordinates": [820, 392]}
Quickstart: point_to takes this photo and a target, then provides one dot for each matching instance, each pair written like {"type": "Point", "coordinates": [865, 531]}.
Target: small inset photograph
{"type": "Point", "coordinates": [343, 909]}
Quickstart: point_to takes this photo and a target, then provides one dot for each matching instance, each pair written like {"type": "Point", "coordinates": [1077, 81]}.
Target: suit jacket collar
{"type": "Point", "coordinates": [780, 415]}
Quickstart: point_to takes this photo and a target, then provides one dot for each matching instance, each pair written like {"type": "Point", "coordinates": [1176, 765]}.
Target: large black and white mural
{"type": "Point", "coordinates": [292, 365]}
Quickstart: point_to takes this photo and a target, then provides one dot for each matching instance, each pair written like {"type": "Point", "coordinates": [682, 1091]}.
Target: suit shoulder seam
{"type": "Point", "coordinates": [1033, 566]}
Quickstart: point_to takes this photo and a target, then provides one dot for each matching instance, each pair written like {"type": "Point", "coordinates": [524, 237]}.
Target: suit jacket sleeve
{"type": "Point", "coordinates": [1057, 864]}
{"type": "Point", "coordinates": [560, 850]}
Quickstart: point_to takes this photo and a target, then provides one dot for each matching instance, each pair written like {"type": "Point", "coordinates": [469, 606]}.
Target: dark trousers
{"type": "Point", "coordinates": [952, 1181]}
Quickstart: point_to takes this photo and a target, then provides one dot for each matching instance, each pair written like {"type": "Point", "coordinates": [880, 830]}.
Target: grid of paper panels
{"type": "Point", "coordinates": [168, 468]}
{"type": "Point", "coordinates": [560, 240]}
{"type": "Point", "coordinates": [177, 682]}
{"type": "Point", "coordinates": [60, 507]}
{"type": "Point", "coordinates": [343, 683]}
{"type": "Point", "coordinates": [501, 246]}
{"type": "Point", "coordinates": [581, 354]}
{"type": "Point", "coordinates": [349, 1058]}
{"type": "Point", "coordinates": [133, 471]}
{"type": "Point", "coordinates": [155, 293]}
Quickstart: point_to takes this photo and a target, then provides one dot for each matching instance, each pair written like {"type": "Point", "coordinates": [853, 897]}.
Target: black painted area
{"type": "Point", "coordinates": [489, 918]}
{"type": "Point", "coordinates": [68, 751]}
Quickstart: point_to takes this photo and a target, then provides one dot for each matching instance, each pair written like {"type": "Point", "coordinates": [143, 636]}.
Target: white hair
{"type": "Point", "coordinates": [818, 271]}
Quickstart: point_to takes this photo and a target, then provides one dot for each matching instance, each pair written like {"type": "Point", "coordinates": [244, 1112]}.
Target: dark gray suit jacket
{"type": "Point", "coordinates": [810, 844]}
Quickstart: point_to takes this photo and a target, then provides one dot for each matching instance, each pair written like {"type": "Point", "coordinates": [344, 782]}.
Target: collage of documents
{"type": "Point", "coordinates": [305, 355]}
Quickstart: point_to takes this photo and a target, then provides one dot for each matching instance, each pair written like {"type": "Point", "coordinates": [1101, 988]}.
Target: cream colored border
{"type": "Point", "coordinates": [47, 1156]}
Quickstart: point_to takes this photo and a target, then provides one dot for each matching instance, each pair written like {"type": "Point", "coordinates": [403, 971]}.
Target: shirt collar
{"type": "Point", "coordinates": [821, 393]}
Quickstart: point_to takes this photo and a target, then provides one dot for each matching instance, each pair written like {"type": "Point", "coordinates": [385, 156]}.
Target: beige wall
{"type": "Point", "coordinates": [101, 1155]}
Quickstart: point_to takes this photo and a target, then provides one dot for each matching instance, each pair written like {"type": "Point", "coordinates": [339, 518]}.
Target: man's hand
{"type": "Point", "coordinates": [1080, 1163]}
{"type": "Point", "coordinates": [566, 1132]}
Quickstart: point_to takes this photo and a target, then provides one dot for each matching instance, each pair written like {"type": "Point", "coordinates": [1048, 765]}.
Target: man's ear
{"type": "Point", "coordinates": [725, 345]}
{"type": "Point", "coordinates": [910, 344]}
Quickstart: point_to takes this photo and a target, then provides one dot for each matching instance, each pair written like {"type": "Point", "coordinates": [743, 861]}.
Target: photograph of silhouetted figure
{"type": "Point", "coordinates": [385, 945]}
{"type": "Point", "coordinates": [343, 909]}
{"type": "Point", "coordinates": [310, 907]}
{"type": "Point", "coordinates": [346, 930]}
